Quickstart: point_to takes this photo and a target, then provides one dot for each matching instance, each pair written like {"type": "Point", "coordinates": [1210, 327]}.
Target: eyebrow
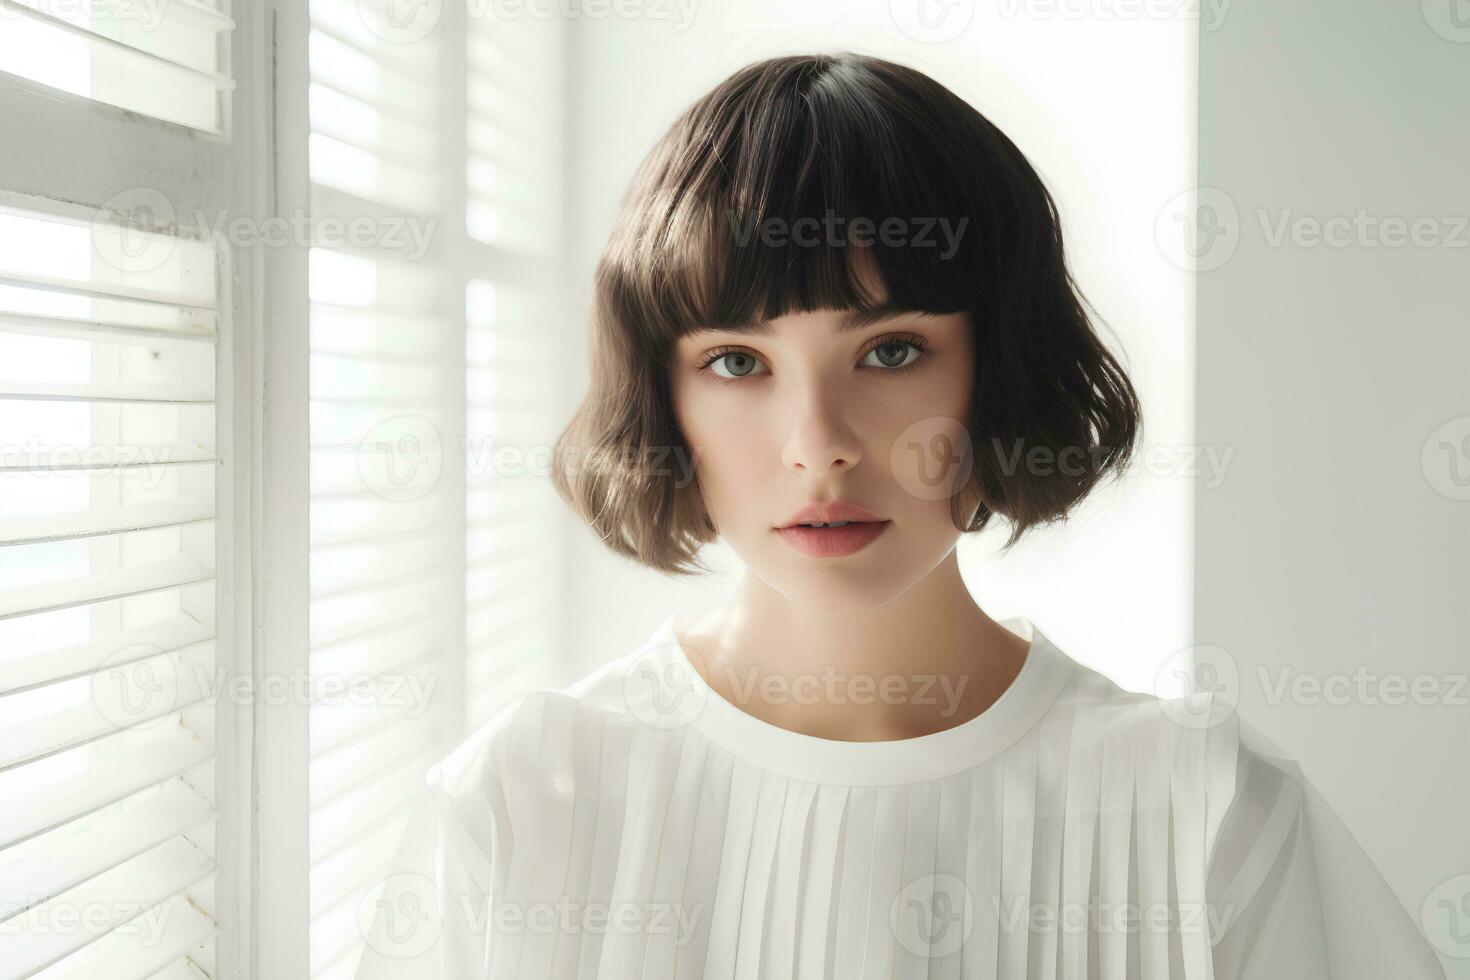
{"type": "Point", "coordinates": [852, 320]}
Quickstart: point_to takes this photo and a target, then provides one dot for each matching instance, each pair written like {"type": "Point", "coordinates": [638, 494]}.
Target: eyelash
{"type": "Point", "coordinates": [911, 340]}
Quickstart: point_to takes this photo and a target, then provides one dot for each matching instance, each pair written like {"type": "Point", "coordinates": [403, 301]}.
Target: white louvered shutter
{"type": "Point", "coordinates": [122, 788]}
{"type": "Point", "coordinates": [108, 464]}
{"type": "Point", "coordinates": [168, 59]}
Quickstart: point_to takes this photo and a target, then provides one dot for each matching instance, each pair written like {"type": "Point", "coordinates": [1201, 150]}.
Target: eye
{"type": "Point", "coordinates": [734, 364]}
{"type": "Point", "coordinates": [893, 354]}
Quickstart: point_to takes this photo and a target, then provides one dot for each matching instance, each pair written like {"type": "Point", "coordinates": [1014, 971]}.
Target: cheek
{"type": "Point", "coordinates": [921, 442]}
{"type": "Point", "coordinates": [733, 449]}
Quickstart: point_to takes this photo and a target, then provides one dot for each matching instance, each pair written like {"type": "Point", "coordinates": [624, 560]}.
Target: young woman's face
{"type": "Point", "coordinates": [827, 408]}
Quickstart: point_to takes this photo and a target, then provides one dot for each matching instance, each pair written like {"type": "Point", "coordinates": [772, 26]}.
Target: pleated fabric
{"type": "Point", "coordinates": [638, 825]}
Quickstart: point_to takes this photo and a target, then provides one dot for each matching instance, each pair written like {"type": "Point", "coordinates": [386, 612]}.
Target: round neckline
{"type": "Point", "coordinates": [812, 758]}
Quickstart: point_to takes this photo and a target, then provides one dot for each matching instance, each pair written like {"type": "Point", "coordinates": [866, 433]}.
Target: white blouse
{"type": "Point", "coordinates": [637, 824]}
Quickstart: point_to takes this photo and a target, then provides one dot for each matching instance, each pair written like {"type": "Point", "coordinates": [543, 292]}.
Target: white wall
{"type": "Point", "coordinates": [1104, 110]}
{"type": "Point", "coordinates": [1339, 540]}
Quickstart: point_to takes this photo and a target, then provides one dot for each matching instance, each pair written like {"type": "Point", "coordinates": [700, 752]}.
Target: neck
{"type": "Point", "coordinates": [925, 661]}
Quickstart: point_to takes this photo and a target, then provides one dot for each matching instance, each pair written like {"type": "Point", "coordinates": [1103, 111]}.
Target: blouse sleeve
{"type": "Point", "coordinates": [1293, 891]}
{"type": "Point", "coordinates": [427, 921]}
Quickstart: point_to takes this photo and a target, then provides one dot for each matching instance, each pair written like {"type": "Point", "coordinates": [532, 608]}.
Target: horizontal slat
{"type": "Point", "coordinates": [506, 660]}
{"type": "Point", "coordinates": [395, 286]}
{"type": "Point", "coordinates": [136, 580]}
{"type": "Point", "coordinates": [203, 13]}
{"type": "Point", "coordinates": [336, 932]}
{"type": "Point", "coordinates": [383, 650]}
{"type": "Point", "coordinates": [487, 544]}
{"type": "Point", "coordinates": [358, 119]}
{"type": "Point", "coordinates": [379, 582]}
{"type": "Point", "coordinates": [344, 967]}
{"type": "Point", "coordinates": [168, 301]}
{"type": "Point", "coordinates": [489, 624]}
{"type": "Point", "coordinates": [379, 579]}
{"type": "Point", "coordinates": [45, 866]}
{"type": "Point", "coordinates": [99, 33]}
{"type": "Point", "coordinates": [115, 392]}
{"type": "Point", "coordinates": [138, 954]}
{"type": "Point", "coordinates": [338, 724]}
{"type": "Point", "coordinates": [57, 326]}
{"type": "Point", "coordinates": [91, 523]}
{"type": "Point", "coordinates": [354, 866]}
{"type": "Point", "coordinates": [337, 618]}
{"type": "Point", "coordinates": [530, 591]}
{"type": "Point", "coordinates": [59, 664]}
{"type": "Point", "coordinates": [43, 796]}
{"type": "Point", "coordinates": [124, 697]}
{"type": "Point", "coordinates": [372, 80]}
{"type": "Point", "coordinates": [340, 523]}
{"type": "Point", "coordinates": [350, 764]}
{"type": "Point", "coordinates": [180, 969]}
{"type": "Point", "coordinates": [352, 375]}
{"type": "Point", "coordinates": [192, 11]}
{"type": "Point", "coordinates": [352, 814]}
{"type": "Point", "coordinates": [133, 892]}
{"type": "Point", "coordinates": [109, 458]}
{"type": "Point", "coordinates": [505, 518]}
{"type": "Point", "coordinates": [353, 171]}
{"type": "Point", "coordinates": [344, 45]}
{"type": "Point", "coordinates": [363, 334]}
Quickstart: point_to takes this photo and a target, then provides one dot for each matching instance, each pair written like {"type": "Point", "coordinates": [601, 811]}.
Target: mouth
{"type": "Point", "coordinates": [834, 539]}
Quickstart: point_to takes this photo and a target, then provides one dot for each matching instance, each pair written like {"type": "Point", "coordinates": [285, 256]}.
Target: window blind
{"type": "Point", "coordinates": [108, 460]}
{"type": "Point", "coordinates": [432, 393]}
{"type": "Point", "coordinates": [511, 510]}
{"type": "Point", "coordinates": [167, 60]}
{"type": "Point", "coordinates": [515, 145]}
{"type": "Point", "coordinates": [383, 534]}
{"type": "Point", "coordinates": [514, 120]}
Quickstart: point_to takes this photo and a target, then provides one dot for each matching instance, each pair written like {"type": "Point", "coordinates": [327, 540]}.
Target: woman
{"type": "Point", "coordinates": [839, 294]}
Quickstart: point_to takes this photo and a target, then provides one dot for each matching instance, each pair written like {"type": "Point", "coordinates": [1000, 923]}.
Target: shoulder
{"type": "Point", "coordinates": [1191, 755]}
{"type": "Point", "coordinates": [1290, 883]}
{"type": "Point", "coordinates": [548, 746]}
{"type": "Point", "coordinates": [1285, 881]}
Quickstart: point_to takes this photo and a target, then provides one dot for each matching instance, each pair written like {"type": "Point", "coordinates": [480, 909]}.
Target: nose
{"type": "Point", "coordinates": [821, 436]}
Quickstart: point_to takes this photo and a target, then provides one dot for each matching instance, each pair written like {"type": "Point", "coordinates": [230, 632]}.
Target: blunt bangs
{"type": "Point", "coordinates": [776, 193]}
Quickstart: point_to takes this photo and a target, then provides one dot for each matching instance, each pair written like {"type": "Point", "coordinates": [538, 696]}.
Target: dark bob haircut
{"type": "Point", "coordinates": [822, 138]}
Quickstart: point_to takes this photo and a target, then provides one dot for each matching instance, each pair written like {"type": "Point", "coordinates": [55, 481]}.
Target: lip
{"type": "Point", "coordinates": [839, 510]}
{"type": "Point", "coordinates": [832, 542]}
